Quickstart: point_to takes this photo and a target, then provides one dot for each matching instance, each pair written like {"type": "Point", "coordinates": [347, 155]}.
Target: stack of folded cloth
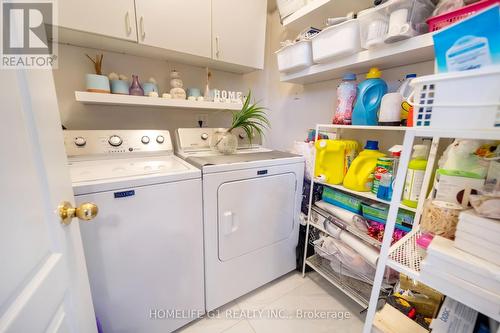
{"type": "Point", "coordinates": [467, 269]}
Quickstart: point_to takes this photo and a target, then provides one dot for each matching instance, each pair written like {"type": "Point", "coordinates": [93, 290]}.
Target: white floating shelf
{"type": "Point", "coordinates": [484, 134]}
{"type": "Point", "coordinates": [360, 127]}
{"type": "Point", "coordinates": [145, 101]}
{"type": "Point", "coordinates": [406, 52]}
{"type": "Point", "coordinates": [315, 13]}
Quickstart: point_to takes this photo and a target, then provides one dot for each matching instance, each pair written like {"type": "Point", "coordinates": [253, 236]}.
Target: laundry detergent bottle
{"type": "Point", "coordinates": [333, 158]}
{"type": "Point", "coordinates": [370, 93]}
{"type": "Point", "coordinates": [346, 95]}
{"type": "Point", "coordinates": [359, 177]}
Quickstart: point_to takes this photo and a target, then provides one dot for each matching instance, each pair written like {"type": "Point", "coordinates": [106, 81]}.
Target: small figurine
{"type": "Point", "coordinates": [176, 83]}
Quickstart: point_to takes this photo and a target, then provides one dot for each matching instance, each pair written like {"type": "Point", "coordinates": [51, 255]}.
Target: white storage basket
{"type": "Point", "coordinates": [458, 100]}
{"type": "Point", "coordinates": [337, 41]}
{"type": "Point", "coordinates": [295, 57]}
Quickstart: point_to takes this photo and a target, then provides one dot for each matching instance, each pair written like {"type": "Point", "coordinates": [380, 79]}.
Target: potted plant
{"type": "Point", "coordinates": [251, 118]}
{"type": "Point", "coordinates": [97, 82]}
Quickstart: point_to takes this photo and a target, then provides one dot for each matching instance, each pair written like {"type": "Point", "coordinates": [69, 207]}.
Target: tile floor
{"type": "Point", "coordinates": [284, 297]}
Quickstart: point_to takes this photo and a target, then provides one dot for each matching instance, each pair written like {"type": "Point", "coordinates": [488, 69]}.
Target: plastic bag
{"type": "Point", "coordinates": [487, 205]}
{"type": "Point", "coordinates": [337, 251]}
{"type": "Point", "coordinates": [305, 149]}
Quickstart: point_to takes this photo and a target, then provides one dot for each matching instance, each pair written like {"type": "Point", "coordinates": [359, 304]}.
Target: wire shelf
{"type": "Point", "coordinates": [404, 256]}
{"type": "Point", "coordinates": [356, 286]}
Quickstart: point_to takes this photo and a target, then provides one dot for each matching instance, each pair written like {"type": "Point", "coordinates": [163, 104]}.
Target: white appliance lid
{"type": "Point", "coordinates": [87, 171]}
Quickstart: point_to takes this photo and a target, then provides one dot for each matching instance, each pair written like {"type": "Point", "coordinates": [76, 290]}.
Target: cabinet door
{"type": "Point", "coordinates": [113, 18]}
{"type": "Point", "coordinates": [239, 31]}
{"type": "Point", "coordinates": [182, 26]}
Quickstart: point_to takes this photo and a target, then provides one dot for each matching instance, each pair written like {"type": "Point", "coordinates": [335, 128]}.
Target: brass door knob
{"type": "Point", "coordinates": [86, 212]}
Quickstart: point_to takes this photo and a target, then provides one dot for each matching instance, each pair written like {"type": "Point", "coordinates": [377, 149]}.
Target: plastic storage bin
{"type": "Point", "coordinates": [393, 21]}
{"type": "Point", "coordinates": [336, 41]}
{"type": "Point", "coordinates": [446, 19]}
{"type": "Point", "coordinates": [292, 58]}
{"type": "Point", "coordinates": [342, 200]}
{"type": "Point", "coordinates": [458, 100]}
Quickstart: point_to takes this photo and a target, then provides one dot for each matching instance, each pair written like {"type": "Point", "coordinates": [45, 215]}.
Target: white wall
{"type": "Point", "coordinates": [292, 108]}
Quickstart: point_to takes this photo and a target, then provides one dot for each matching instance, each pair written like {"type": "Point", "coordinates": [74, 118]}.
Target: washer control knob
{"type": "Point", "coordinates": [145, 139]}
{"type": "Point", "coordinates": [115, 140]}
{"type": "Point", "coordinates": [242, 136]}
{"type": "Point", "coordinates": [204, 136]}
{"type": "Point", "coordinates": [160, 139]}
{"type": "Point", "coordinates": [80, 141]}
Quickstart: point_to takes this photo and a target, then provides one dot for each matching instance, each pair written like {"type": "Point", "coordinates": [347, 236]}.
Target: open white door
{"type": "Point", "coordinates": [43, 281]}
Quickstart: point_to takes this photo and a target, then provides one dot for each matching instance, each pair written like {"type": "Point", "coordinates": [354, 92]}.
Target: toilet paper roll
{"type": "Point", "coordinates": [366, 251]}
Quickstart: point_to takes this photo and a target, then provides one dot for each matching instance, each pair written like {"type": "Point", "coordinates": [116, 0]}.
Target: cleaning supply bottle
{"type": "Point", "coordinates": [405, 91]}
{"type": "Point", "coordinates": [369, 96]}
{"type": "Point", "coordinates": [346, 95]}
{"type": "Point", "coordinates": [359, 177]}
{"type": "Point", "coordinates": [333, 158]}
{"type": "Point", "coordinates": [415, 176]}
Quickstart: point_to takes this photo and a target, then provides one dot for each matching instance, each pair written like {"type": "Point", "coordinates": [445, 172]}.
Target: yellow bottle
{"type": "Point", "coordinates": [333, 158]}
{"type": "Point", "coordinates": [359, 177]}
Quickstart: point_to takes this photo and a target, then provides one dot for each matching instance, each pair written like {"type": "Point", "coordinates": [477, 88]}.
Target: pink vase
{"type": "Point", "coordinates": [135, 88]}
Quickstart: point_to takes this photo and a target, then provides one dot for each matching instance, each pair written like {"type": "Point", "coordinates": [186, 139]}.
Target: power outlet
{"type": "Point", "coordinates": [202, 120]}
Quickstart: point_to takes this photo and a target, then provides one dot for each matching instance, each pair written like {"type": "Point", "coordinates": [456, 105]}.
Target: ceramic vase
{"type": "Point", "coordinates": [135, 87]}
{"type": "Point", "coordinates": [97, 83]}
{"type": "Point", "coordinates": [224, 142]}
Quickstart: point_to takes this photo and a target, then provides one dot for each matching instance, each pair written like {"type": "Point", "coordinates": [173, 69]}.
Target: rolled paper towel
{"type": "Point", "coordinates": [341, 213]}
{"type": "Point", "coordinates": [363, 249]}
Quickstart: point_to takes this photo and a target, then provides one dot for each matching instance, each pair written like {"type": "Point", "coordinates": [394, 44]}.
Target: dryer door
{"type": "Point", "coordinates": [248, 219]}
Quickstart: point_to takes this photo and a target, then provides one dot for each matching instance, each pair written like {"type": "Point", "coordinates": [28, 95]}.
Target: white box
{"type": "Point", "coordinates": [451, 188]}
{"type": "Point", "coordinates": [443, 256]}
{"type": "Point", "coordinates": [292, 58]}
{"type": "Point", "coordinates": [485, 228]}
{"type": "Point", "coordinates": [336, 41]}
{"type": "Point", "coordinates": [454, 317]}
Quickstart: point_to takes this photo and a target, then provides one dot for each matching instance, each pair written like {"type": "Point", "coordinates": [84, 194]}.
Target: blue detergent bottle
{"type": "Point", "coordinates": [370, 93]}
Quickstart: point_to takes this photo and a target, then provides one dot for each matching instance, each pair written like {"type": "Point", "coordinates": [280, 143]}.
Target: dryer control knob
{"type": "Point", "coordinates": [80, 141]}
{"type": "Point", "coordinates": [115, 140]}
{"type": "Point", "coordinates": [204, 136]}
{"type": "Point", "coordinates": [160, 139]}
{"type": "Point", "coordinates": [145, 139]}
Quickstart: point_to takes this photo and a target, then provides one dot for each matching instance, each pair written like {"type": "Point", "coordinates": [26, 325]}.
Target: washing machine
{"type": "Point", "coordinates": [251, 205]}
{"type": "Point", "coordinates": [144, 250]}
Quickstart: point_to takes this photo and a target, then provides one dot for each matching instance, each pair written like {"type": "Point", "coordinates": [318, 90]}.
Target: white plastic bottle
{"type": "Point", "coordinates": [346, 95]}
{"type": "Point", "coordinates": [405, 91]}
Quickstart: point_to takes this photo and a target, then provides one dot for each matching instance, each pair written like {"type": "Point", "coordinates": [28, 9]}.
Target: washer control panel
{"type": "Point", "coordinates": [116, 142]}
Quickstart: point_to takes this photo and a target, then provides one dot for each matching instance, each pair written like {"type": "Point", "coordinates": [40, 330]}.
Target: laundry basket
{"type": "Point", "coordinates": [458, 100]}
{"type": "Point", "coordinates": [440, 21]}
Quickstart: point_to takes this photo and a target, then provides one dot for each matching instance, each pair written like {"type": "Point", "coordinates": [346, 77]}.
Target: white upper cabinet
{"type": "Point", "coordinates": [239, 31]}
{"type": "Point", "coordinates": [183, 26]}
{"type": "Point", "coordinates": [112, 18]}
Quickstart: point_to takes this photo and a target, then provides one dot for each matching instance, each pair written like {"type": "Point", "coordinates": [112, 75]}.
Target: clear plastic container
{"type": "Point", "coordinates": [440, 218]}
{"type": "Point", "coordinates": [393, 21]}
